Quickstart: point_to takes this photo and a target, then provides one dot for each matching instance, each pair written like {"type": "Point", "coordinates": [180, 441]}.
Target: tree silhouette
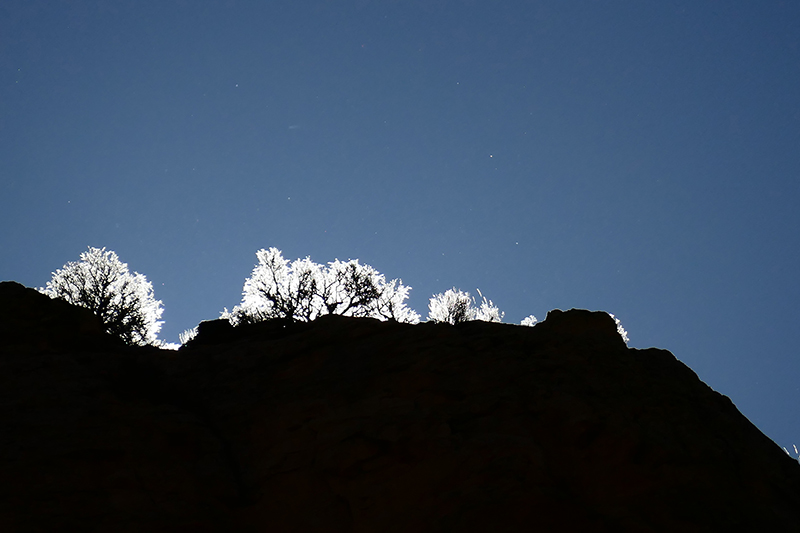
{"type": "Point", "coordinates": [102, 283]}
{"type": "Point", "coordinates": [303, 290]}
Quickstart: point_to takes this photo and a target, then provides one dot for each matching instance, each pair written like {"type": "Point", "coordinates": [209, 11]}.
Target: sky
{"type": "Point", "coordinates": [637, 157]}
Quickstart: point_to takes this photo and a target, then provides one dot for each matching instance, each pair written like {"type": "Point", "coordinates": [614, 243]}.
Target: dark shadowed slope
{"type": "Point", "coordinates": [358, 425]}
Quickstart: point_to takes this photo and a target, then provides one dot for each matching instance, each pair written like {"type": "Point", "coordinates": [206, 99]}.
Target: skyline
{"type": "Point", "coordinates": [637, 159]}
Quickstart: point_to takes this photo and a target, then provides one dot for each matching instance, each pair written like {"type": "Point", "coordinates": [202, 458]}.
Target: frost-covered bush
{"type": "Point", "coordinates": [186, 335]}
{"type": "Point", "coordinates": [487, 311]}
{"type": "Point", "coordinates": [455, 306]}
{"type": "Point", "coordinates": [796, 453]}
{"type": "Point", "coordinates": [303, 290]}
{"type": "Point", "coordinates": [452, 307]}
{"type": "Point", "coordinates": [620, 329]}
{"type": "Point", "coordinates": [102, 283]}
{"type": "Point", "coordinates": [529, 320]}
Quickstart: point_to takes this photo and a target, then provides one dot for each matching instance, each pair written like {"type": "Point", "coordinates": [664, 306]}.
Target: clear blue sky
{"type": "Point", "coordinates": [637, 157]}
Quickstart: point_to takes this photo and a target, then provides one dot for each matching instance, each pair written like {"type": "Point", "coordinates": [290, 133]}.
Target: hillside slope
{"type": "Point", "coordinates": [349, 424]}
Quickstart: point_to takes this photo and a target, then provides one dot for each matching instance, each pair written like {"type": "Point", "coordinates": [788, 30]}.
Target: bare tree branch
{"type": "Point", "coordinates": [102, 283]}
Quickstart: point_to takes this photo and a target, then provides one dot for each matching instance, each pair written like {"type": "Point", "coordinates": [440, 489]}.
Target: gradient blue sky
{"type": "Point", "coordinates": [638, 157]}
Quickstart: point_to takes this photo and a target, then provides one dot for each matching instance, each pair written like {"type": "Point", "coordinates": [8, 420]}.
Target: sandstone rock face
{"type": "Point", "coordinates": [357, 425]}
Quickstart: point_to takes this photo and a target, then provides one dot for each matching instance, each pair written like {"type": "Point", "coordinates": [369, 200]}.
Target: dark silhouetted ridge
{"type": "Point", "coordinates": [346, 424]}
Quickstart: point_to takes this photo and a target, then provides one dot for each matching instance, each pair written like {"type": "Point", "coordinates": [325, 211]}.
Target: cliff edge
{"type": "Point", "coordinates": [356, 425]}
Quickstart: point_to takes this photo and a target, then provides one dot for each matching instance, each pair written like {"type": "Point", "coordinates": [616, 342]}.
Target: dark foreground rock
{"type": "Point", "coordinates": [358, 425]}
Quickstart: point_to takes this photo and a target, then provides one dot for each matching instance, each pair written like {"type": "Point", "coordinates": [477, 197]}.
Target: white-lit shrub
{"type": "Point", "coordinates": [102, 283]}
{"type": "Point", "coordinates": [303, 290]}
{"type": "Point", "coordinates": [455, 306]}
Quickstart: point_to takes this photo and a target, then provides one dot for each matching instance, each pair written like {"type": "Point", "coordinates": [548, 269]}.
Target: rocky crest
{"type": "Point", "coordinates": [349, 424]}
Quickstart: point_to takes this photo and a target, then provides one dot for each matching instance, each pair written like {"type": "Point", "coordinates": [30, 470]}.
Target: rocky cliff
{"type": "Point", "coordinates": [357, 425]}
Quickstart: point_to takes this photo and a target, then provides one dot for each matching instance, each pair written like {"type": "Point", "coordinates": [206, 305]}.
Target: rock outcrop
{"type": "Point", "coordinates": [357, 425]}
